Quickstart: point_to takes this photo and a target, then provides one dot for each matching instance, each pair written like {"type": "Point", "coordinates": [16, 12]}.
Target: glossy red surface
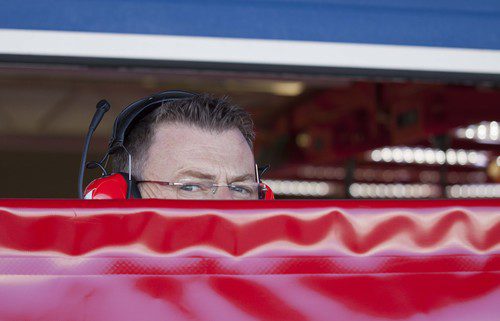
{"type": "Point", "coordinates": [230, 260]}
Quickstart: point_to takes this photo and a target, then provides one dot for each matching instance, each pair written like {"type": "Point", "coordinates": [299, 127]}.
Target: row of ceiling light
{"type": "Point", "coordinates": [368, 190]}
{"type": "Point", "coordinates": [418, 155]}
{"type": "Point", "coordinates": [302, 188]}
{"type": "Point", "coordinates": [484, 132]}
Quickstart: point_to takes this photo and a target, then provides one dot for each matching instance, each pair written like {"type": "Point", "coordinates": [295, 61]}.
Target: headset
{"type": "Point", "coordinates": [123, 185]}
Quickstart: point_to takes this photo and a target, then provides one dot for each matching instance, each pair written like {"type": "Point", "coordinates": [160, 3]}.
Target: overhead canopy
{"type": "Point", "coordinates": [399, 37]}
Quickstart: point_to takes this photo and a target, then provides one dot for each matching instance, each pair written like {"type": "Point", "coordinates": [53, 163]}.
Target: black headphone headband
{"type": "Point", "coordinates": [135, 111]}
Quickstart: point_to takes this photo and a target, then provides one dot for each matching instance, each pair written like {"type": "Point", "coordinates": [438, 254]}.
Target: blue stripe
{"type": "Point", "coordinates": [441, 23]}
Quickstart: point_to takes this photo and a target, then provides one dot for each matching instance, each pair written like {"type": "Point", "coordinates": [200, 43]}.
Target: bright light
{"type": "Point", "coordinates": [472, 157]}
{"type": "Point", "coordinates": [386, 154]}
{"type": "Point", "coordinates": [419, 155]}
{"type": "Point", "coordinates": [429, 156]}
{"type": "Point", "coordinates": [451, 157]}
{"type": "Point", "coordinates": [461, 157]}
{"type": "Point", "coordinates": [408, 155]}
{"type": "Point", "coordinates": [397, 155]}
{"type": "Point", "coordinates": [362, 190]}
{"type": "Point", "coordinates": [484, 132]}
{"type": "Point", "coordinates": [286, 88]}
{"type": "Point", "coordinates": [481, 132]}
{"type": "Point", "coordinates": [301, 188]}
{"type": "Point", "coordinates": [376, 155]}
{"type": "Point", "coordinates": [440, 157]}
{"type": "Point", "coordinates": [355, 190]}
{"type": "Point", "coordinates": [473, 191]}
{"type": "Point", "coordinates": [469, 133]}
{"type": "Point", "coordinates": [494, 130]}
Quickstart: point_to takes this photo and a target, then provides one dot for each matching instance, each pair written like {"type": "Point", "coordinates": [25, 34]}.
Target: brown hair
{"type": "Point", "coordinates": [204, 111]}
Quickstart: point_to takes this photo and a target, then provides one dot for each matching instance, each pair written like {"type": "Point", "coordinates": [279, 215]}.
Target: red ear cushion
{"type": "Point", "coordinates": [269, 193]}
{"type": "Point", "coordinates": [110, 187]}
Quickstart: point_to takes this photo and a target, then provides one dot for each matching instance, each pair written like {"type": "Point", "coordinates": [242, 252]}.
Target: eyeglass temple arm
{"type": "Point", "coordinates": [261, 170]}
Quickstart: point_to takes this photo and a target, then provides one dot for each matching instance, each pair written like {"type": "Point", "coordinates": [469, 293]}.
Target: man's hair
{"type": "Point", "coordinates": [203, 111]}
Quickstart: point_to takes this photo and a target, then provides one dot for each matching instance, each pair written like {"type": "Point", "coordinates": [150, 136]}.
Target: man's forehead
{"type": "Point", "coordinates": [180, 147]}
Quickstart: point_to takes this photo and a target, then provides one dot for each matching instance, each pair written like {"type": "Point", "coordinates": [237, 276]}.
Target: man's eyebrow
{"type": "Point", "coordinates": [242, 178]}
{"type": "Point", "coordinates": [195, 174]}
{"type": "Point", "coordinates": [203, 175]}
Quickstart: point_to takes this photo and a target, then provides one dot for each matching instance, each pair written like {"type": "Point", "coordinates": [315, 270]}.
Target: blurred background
{"type": "Point", "coordinates": [350, 99]}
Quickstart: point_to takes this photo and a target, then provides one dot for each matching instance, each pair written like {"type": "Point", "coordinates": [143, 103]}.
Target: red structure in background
{"type": "Point", "coordinates": [223, 260]}
{"type": "Point", "coordinates": [337, 128]}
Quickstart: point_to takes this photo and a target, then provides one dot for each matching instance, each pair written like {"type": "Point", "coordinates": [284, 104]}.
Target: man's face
{"type": "Point", "coordinates": [187, 154]}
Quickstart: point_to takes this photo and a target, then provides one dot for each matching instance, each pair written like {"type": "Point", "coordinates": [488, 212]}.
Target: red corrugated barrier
{"type": "Point", "coordinates": [276, 260]}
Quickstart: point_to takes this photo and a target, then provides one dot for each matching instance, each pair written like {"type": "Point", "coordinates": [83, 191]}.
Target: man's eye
{"type": "Point", "coordinates": [191, 187]}
{"type": "Point", "coordinates": [241, 189]}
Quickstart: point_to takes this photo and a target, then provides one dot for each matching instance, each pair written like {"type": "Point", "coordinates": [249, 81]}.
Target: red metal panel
{"type": "Point", "coordinates": [223, 260]}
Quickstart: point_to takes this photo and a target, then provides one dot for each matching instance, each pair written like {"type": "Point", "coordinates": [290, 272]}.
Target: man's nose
{"type": "Point", "coordinates": [222, 193]}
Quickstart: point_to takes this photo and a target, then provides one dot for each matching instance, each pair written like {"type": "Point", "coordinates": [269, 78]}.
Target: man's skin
{"type": "Point", "coordinates": [181, 152]}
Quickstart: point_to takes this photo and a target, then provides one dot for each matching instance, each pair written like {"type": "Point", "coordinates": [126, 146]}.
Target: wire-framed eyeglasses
{"type": "Point", "coordinates": [207, 190]}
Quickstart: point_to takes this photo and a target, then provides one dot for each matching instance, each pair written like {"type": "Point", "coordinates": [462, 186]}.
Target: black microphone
{"type": "Point", "coordinates": [102, 107]}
